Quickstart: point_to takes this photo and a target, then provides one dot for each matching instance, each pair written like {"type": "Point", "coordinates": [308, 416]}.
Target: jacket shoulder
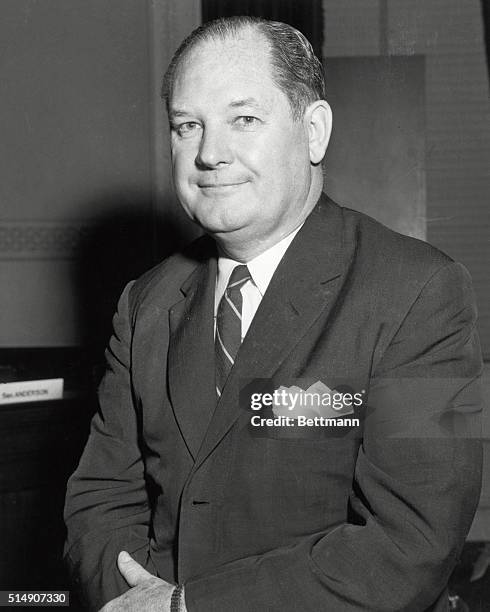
{"type": "Point", "coordinates": [384, 252]}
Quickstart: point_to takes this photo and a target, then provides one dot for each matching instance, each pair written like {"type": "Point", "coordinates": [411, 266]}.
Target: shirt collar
{"type": "Point", "coordinates": [261, 268]}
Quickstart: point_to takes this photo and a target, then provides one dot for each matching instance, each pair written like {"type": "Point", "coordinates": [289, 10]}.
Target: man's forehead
{"type": "Point", "coordinates": [247, 48]}
{"type": "Point", "coordinates": [234, 72]}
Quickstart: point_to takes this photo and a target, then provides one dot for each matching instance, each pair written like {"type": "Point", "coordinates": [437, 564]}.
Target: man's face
{"type": "Point", "coordinates": [241, 163]}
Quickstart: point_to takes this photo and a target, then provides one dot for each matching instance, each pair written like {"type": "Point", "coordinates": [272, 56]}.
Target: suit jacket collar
{"type": "Point", "coordinates": [191, 371]}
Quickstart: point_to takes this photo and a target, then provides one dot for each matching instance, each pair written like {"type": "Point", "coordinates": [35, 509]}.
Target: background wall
{"type": "Point", "coordinates": [449, 35]}
{"type": "Point", "coordinates": [74, 147]}
{"type": "Point", "coordinates": [85, 191]}
{"type": "Point", "coordinates": [80, 199]}
{"type": "Point", "coordinates": [375, 161]}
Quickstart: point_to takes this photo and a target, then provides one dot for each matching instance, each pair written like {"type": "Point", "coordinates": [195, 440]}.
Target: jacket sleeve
{"type": "Point", "coordinates": [106, 507]}
{"type": "Point", "coordinates": [416, 483]}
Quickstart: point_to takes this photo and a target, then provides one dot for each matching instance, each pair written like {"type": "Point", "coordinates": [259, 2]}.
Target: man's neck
{"type": "Point", "coordinates": [246, 252]}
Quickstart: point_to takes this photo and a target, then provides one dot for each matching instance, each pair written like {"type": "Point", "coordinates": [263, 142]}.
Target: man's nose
{"type": "Point", "coordinates": [214, 149]}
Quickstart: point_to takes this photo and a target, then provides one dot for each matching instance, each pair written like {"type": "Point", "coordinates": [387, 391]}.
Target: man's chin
{"type": "Point", "coordinates": [217, 226]}
{"type": "Point", "coordinates": [219, 230]}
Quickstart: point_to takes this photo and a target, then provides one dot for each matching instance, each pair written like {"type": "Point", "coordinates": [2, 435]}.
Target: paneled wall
{"type": "Point", "coordinates": [74, 147]}
{"type": "Point", "coordinates": [84, 181]}
{"type": "Point", "coordinates": [375, 161]}
{"type": "Point", "coordinates": [449, 35]}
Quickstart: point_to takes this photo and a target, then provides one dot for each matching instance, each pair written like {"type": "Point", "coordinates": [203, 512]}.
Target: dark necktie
{"type": "Point", "coordinates": [229, 326]}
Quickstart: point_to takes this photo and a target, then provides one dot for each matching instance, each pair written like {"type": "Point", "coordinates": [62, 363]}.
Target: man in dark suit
{"type": "Point", "coordinates": [195, 491]}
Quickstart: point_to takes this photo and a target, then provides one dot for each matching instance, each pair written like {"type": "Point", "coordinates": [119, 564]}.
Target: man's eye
{"type": "Point", "coordinates": [187, 129]}
{"type": "Point", "coordinates": [247, 121]}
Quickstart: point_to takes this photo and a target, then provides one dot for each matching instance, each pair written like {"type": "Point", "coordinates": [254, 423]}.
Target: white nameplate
{"type": "Point", "coordinates": [31, 391]}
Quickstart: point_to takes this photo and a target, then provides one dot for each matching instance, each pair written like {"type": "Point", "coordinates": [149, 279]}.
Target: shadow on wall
{"type": "Point", "coordinates": [120, 244]}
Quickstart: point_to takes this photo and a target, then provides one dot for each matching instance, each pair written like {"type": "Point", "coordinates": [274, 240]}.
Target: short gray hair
{"type": "Point", "coordinates": [295, 68]}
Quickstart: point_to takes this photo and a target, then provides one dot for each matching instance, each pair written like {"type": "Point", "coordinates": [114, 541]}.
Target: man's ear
{"type": "Point", "coordinates": [318, 118]}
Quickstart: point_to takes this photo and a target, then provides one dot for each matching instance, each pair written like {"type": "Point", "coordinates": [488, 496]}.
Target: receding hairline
{"type": "Point", "coordinates": [223, 37]}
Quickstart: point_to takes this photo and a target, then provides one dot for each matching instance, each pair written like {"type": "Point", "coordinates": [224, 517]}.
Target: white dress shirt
{"type": "Point", "coordinates": [261, 270]}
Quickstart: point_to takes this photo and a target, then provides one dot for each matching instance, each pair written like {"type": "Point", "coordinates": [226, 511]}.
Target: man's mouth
{"type": "Point", "coordinates": [221, 185]}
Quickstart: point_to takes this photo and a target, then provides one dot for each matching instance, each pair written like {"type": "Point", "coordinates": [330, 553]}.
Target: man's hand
{"type": "Point", "coordinates": [148, 593]}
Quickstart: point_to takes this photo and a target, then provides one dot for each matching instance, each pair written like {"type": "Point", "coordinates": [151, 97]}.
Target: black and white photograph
{"type": "Point", "coordinates": [245, 305]}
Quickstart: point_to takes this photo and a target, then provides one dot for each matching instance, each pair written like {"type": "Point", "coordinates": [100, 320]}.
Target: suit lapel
{"type": "Point", "coordinates": [191, 355]}
{"type": "Point", "coordinates": [305, 285]}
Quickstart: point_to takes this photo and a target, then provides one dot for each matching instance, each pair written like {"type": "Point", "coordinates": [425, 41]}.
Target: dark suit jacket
{"type": "Point", "coordinates": [259, 522]}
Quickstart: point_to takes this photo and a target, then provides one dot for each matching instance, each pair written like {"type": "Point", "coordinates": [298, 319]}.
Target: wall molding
{"type": "Point", "coordinates": [41, 240]}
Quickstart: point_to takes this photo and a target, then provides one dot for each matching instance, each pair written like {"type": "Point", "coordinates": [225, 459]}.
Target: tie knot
{"type": "Point", "coordinates": [239, 276]}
